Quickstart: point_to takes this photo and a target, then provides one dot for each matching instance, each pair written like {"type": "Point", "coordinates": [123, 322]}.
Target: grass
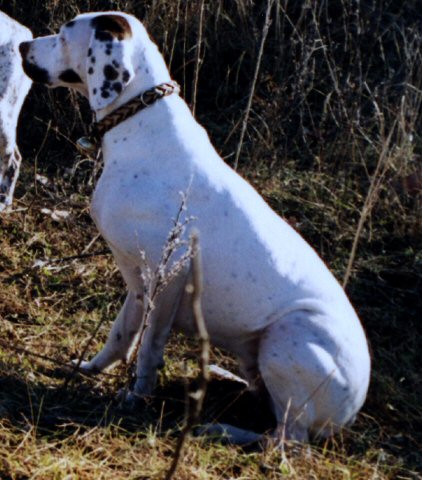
{"type": "Point", "coordinates": [332, 137]}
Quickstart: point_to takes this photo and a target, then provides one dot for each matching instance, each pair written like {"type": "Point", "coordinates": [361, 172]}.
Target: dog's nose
{"type": "Point", "coordinates": [24, 48]}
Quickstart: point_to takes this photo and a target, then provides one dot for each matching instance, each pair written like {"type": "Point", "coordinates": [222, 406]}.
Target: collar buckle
{"type": "Point", "coordinates": [87, 146]}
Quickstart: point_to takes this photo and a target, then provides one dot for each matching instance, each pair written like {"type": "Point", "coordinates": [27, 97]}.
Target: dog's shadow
{"type": "Point", "coordinates": [81, 405]}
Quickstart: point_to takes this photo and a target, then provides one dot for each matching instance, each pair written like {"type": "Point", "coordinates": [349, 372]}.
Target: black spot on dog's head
{"type": "Point", "coordinates": [70, 24]}
{"type": "Point", "coordinates": [70, 76]}
{"type": "Point", "coordinates": [110, 72]}
{"type": "Point", "coordinates": [103, 36]}
{"type": "Point", "coordinates": [89, 52]}
{"type": "Point", "coordinates": [105, 93]}
{"type": "Point", "coordinates": [90, 71]}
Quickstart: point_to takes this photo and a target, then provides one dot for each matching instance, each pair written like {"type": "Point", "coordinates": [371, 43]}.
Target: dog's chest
{"type": "Point", "coordinates": [134, 209]}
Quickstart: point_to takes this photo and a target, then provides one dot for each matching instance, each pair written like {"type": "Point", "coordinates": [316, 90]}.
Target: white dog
{"type": "Point", "coordinates": [268, 298]}
{"type": "Point", "coordinates": [14, 86]}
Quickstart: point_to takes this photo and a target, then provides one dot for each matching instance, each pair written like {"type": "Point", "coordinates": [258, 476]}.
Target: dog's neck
{"type": "Point", "coordinates": [150, 70]}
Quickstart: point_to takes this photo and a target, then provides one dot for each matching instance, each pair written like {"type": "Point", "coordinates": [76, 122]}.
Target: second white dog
{"type": "Point", "coordinates": [268, 298]}
{"type": "Point", "coordinates": [14, 86]}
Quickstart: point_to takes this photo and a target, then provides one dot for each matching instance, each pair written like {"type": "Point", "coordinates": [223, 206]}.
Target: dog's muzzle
{"type": "Point", "coordinates": [34, 72]}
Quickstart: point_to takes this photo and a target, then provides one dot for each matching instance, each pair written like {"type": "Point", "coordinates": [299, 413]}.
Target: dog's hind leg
{"type": "Point", "coordinates": [314, 372]}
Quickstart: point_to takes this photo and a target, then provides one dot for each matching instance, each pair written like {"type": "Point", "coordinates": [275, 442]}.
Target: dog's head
{"type": "Point", "coordinates": [92, 53]}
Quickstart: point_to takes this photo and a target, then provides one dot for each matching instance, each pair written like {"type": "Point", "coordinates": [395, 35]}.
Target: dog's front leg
{"type": "Point", "coordinates": [150, 355]}
{"type": "Point", "coordinates": [121, 337]}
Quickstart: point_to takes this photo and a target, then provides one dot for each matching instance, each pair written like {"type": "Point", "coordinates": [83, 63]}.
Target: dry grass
{"type": "Point", "coordinates": [331, 140]}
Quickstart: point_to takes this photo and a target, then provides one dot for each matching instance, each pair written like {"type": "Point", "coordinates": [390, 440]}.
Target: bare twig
{"type": "Point", "coordinates": [173, 45]}
{"type": "Point", "coordinates": [79, 256]}
{"type": "Point", "coordinates": [196, 396]}
{"type": "Point", "coordinates": [71, 375]}
{"type": "Point", "coordinates": [384, 161]}
{"type": "Point", "coordinates": [265, 29]}
{"type": "Point", "coordinates": [7, 345]}
{"type": "Point", "coordinates": [197, 56]}
{"type": "Point", "coordinates": [38, 154]}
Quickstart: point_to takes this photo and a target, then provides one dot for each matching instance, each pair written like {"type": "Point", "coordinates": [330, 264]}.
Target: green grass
{"type": "Point", "coordinates": [322, 119]}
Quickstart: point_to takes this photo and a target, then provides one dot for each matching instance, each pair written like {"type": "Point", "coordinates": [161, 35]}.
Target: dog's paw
{"type": "Point", "coordinates": [84, 367]}
{"type": "Point", "coordinates": [228, 434]}
{"type": "Point", "coordinates": [132, 402]}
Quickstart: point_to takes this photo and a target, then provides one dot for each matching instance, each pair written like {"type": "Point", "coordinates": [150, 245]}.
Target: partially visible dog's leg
{"type": "Point", "coordinates": [225, 433]}
{"type": "Point", "coordinates": [8, 176]}
{"type": "Point", "coordinates": [121, 338]}
{"type": "Point", "coordinates": [248, 365]}
{"type": "Point", "coordinates": [315, 383]}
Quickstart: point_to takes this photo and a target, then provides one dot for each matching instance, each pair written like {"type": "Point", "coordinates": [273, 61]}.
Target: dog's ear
{"type": "Point", "coordinates": [109, 64]}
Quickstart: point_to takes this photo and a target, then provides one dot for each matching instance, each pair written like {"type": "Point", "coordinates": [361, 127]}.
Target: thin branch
{"type": "Point", "coordinates": [196, 396]}
{"type": "Point", "coordinates": [75, 367]}
{"type": "Point", "coordinates": [177, 23]}
{"type": "Point", "coordinates": [198, 56]}
{"type": "Point", "coordinates": [76, 257]}
{"type": "Point", "coordinates": [373, 190]}
{"type": "Point", "coordinates": [8, 346]}
{"type": "Point", "coordinates": [265, 29]}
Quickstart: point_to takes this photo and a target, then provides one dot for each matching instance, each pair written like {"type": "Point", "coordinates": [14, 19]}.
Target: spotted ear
{"type": "Point", "coordinates": [109, 59]}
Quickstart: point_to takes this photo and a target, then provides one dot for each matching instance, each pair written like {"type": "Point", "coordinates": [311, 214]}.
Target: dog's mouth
{"type": "Point", "coordinates": [36, 73]}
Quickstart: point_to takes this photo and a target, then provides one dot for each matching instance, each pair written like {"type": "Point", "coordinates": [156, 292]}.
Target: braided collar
{"type": "Point", "coordinates": [89, 145]}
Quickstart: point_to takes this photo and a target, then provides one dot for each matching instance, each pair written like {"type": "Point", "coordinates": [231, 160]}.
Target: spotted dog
{"type": "Point", "coordinates": [268, 298]}
{"type": "Point", "coordinates": [14, 86]}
